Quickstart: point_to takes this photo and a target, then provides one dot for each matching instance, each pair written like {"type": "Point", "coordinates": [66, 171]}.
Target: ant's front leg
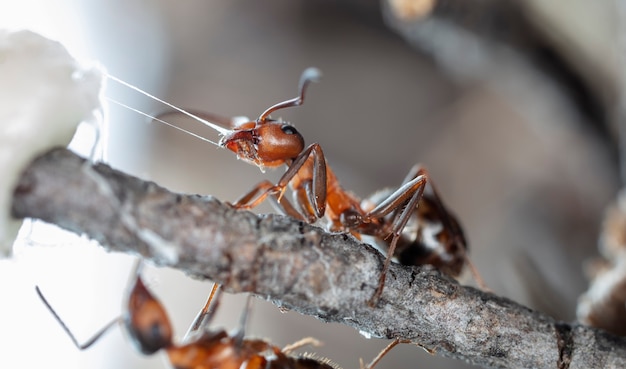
{"type": "Point", "coordinates": [307, 176]}
{"type": "Point", "coordinates": [251, 199]}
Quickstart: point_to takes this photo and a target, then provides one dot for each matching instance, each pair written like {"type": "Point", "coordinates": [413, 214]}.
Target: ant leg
{"type": "Point", "coordinates": [382, 353]}
{"type": "Point", "coordinates": [287, 208]}
{"type": "Point", "coordinates": [207, 312]}
{"type": "Point", "coordinates": [243, 322]}
{"type": "Point", "coordinates": [246, 200]}
{"type": "Point", "coordinates": [315, 185]}
{"type": "Point", "coordinates": [309, 75]}
{"type": "Point", "coordinates": [316, 193]}
{"type": "Point", "coordinates": [405, 198]}
{"type": "Point", "coordinates": [306, 341]}
{"type": "Point", "coordinates": [302, 197]}
{"type": "Point", "coordinates": [89, 342]}
{"type": "Point", "coordinates": [479, 279]}
{"type": "Point", "coordinates": [249, 200]}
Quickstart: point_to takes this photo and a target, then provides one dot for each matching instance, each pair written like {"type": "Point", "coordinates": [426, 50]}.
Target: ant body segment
{"type": "Point", "coordinates": [150, 331]}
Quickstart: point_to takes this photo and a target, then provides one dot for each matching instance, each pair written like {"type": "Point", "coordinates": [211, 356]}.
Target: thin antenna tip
{"type": "Point", "coordinates": [311, 74]}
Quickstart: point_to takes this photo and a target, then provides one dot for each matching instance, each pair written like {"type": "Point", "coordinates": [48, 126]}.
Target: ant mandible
{"type": "Point", "coordinates": [414, 224]}
{"type": "Point", "coordinates": [150, 330]}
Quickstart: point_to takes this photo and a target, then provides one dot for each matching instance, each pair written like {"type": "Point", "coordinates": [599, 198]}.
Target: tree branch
{"type": "Point", "coordinates": [303, 268]}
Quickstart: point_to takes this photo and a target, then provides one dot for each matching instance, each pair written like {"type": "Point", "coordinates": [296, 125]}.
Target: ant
{"type": "Point", "coordinates": [412, 222]}
{"type": "Point", "coordinates": [415, 225]}
{"type": "Point", "coordinates": [150, 330]}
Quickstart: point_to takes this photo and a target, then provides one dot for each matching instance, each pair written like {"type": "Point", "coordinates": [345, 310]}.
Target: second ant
{"type": "Point", "coordinates": [150, 330]}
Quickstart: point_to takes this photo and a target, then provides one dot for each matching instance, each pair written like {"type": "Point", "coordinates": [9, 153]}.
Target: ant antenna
{"type": "Point", "coordinates": [243, 322]}
{"type": "Point", "coordinates": [153, 118]}
{"type": "Point", "coordinates": [221, 130]}
{"type": "Point", "coordinates": [92, 340]}
{"type": "Point", "coordinates": [137, 270]}
{"type": "Point", "coordinates": [207, 312]}
{"type": "Point", "coordinates": [309, 75]}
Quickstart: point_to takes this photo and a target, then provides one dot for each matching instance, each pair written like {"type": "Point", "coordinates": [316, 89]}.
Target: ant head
{"type": "Point", "coordinates": [267, 144]}
{"type": "Point", "coordinates": [147, 321]}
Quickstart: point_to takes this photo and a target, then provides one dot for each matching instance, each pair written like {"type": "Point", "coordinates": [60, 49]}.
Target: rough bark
{"type": "Point", "coordinates": [303, 268]}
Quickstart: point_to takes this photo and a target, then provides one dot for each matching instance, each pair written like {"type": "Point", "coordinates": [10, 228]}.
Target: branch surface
{"type": "Point", "coordinates": [302, 268]}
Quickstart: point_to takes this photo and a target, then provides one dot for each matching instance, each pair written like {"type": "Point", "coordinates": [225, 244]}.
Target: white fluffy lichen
{"type": "Point", "coordinates": [44, 94]}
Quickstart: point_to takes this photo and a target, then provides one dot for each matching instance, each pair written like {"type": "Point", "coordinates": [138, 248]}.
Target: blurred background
{"type": "Point", "coordinates": [511, 105]}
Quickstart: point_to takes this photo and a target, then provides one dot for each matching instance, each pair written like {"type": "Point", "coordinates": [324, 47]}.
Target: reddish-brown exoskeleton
{"type": "Point", "coordinates": [412, 221]}
{"type": "Point", "coordinates": [150, 331]}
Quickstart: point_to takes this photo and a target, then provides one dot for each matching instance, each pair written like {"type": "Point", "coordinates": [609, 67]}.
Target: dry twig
{"type": "Point", "coordinates": [303, 268]}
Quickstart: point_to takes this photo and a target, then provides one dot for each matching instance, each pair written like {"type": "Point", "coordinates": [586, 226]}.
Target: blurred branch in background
{"type": "Point", "coordinates": [506, 43]}
{"type": "Point", "coordinates": [303, 268]}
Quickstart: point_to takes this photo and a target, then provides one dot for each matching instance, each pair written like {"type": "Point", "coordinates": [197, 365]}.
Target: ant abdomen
{"type": "Point", "coordinates": [146, 320]}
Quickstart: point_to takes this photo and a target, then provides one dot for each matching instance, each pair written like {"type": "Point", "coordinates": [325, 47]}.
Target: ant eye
{"type": "Point", "coordinates": [290, 130]}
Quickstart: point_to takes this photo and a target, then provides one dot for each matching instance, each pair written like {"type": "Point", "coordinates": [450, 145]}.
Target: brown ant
{"type": "Point", "coordinates": [412, 222]}
{"type": "Point", "coordinates": [415, 225]}
{"type": "Point", "coordinates": [150, 331]}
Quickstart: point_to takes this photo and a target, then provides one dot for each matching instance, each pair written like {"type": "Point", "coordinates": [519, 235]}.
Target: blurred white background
{"type": "Point", "coordinates": [528, 184]}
